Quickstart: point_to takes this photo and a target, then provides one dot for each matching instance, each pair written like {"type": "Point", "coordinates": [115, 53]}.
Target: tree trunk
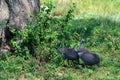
{"type": "Point", "coordinates": [4, 15]}
{"type": "Point", "coordinates": [16, 13]}
{"type": "Point", "coordinates": [19, 11]}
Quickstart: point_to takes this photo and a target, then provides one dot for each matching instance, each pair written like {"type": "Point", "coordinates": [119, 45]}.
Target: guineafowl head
{"type": "Point", "coordinates": [81, 46]}
{"type": "Point", "coordinates": [81, 43]}
{"type": "Point", "coordinates": [58, 44]}
{"type": "Point", "coordinates": [60, 50]}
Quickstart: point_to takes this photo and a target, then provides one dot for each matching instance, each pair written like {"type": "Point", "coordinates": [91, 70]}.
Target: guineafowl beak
{"type": "Point", "coordinates": [77, 51]}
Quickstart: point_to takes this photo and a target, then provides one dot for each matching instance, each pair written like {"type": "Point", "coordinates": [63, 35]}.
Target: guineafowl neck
{"type": "Point", "coordinates": [60, 50]}
{"type": "Point", "coordinates": [81, 46]}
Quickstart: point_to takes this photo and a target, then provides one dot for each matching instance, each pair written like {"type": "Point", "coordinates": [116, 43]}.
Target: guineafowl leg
{"type": "Point", "coordinates": [77, 61]}
{"type": "Point", "coordinates": [83, 65]}
{"type": "Point", "coordinates": [68, 61]}
{"type": "Point", "coordinates": [64, 63]}
{"type": "Point", "coordinates": [98, 65]}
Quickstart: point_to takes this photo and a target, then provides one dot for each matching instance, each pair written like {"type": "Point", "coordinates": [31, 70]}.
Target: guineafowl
{"type": "Point", "coordinates": [87, 57]}
{"type": "Point", "coordinates": [68, 53]}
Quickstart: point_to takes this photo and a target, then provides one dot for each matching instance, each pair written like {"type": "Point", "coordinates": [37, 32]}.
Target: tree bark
{"type": "Point", "coordinates": [4, 15]}
{"type": "Point", "coordinates": [18, 12]}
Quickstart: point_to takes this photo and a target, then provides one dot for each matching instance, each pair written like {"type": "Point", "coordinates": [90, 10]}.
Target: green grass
{"type": "Point", "coordinates": [88, 8]}
{"type": "Point", "coordinates": [98, 23]}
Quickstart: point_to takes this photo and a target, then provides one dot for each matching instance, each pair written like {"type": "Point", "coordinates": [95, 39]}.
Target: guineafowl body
{"type": "Point", "coordinates": [87, 57]}
{"type": "Point", "coordinates": [68, 53]}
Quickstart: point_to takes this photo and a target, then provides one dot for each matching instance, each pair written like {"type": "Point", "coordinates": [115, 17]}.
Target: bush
{"type": "Point", "coordinates": [40, 36]}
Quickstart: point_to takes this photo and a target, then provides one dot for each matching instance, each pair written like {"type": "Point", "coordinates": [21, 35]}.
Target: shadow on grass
{"type": "Point", "coordinates": [85, 26]}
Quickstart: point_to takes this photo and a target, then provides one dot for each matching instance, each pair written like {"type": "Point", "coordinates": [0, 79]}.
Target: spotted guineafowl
{"type": "Point", "coordinates": [87, 57]}
{"type": "Point", "coordinates": [68, 53]}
